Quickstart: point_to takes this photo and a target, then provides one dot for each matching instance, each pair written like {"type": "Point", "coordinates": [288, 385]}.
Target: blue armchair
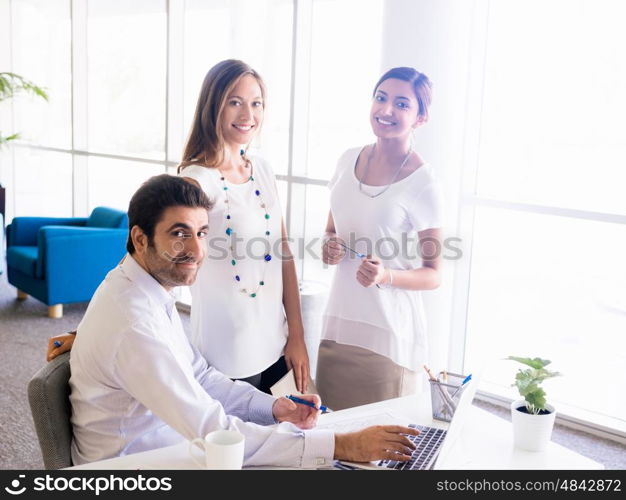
{"type": "Point", "coordinates": [63, 260]}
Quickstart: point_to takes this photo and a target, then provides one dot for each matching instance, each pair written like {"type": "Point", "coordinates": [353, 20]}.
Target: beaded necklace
{"type": "Point", "coordinates": [252, 292]}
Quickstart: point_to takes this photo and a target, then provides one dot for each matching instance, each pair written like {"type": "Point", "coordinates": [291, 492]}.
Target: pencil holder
{"type": "Point", "coordinates": [444, 396]}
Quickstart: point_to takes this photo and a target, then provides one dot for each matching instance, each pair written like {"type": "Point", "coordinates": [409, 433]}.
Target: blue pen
{"type": "Point", "coordinates": [58, 343]}
{"type": "Point", "coordinates": [465, 381]}
{"type": "Point", "coordinates": [359, 255]}
{"type": "Point", "coordinates": [308, 403]}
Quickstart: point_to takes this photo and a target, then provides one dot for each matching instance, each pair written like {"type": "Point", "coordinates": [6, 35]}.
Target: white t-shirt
{"type": "Point", "coordinates": [237, 334]}
{"type": "Point", "coordinates": [388, 321]}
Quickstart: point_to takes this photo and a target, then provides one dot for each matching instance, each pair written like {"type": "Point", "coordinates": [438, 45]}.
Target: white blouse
{"type": "Point", "coordinates": [387, 321]}
{"type": "Point", "coordinates": [236, 333]}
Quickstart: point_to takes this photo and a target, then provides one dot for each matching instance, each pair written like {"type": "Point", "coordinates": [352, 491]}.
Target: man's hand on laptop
{"type": "Point", "coordinates": [303, 416]}
{"type": "Point", "coordinates": [375, 443]}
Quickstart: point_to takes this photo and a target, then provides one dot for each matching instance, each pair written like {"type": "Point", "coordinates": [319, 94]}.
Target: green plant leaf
{"type": "Point", "coordinates": [528, 381]}
{"type": "Point", "coordinates": [536, 363]}
{"type": "Point", "coordinates": [527, 389]}
{"type": "Point", "coordinates": [537, 400]}
{"type": "Point", "coordinates": [4, 140]}
{"type": "Point", "coordinates": [12, 83]}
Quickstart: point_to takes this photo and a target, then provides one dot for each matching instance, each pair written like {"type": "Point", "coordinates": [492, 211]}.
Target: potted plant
{"type": "Point", "coordinates": [532, 417]}
{"type": "Point", "coordinates": [11, 84]}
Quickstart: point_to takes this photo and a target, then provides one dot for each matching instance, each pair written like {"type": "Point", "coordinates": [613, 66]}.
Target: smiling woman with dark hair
{"type": "Point", "coordinates": [383, 194]}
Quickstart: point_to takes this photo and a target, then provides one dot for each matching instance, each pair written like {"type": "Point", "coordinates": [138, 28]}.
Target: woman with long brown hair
{"type": "Point", "coordinates": [246, 318]}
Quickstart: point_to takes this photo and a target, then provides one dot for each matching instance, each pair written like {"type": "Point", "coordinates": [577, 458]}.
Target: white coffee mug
{"type": "Point", "coordinates": [223, 449]}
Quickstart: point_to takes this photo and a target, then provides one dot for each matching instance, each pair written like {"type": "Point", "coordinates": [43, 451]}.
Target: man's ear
{"type": "Point", "coordinates": [139, 239]}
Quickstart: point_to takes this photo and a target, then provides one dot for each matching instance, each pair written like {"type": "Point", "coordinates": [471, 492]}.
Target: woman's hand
{"type": "Point", "coordinates": [371, 272]}
{"type": "Point", "coordinates": [303, 416]}
{"type": "Point", "coordinates": [332, 251]}
{"type": "Point", "coordinates": [297, 358]}
{"type": "Point", "coordinates": [67, 339]}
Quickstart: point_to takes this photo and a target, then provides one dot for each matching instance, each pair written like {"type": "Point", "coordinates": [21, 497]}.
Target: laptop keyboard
{"type": "Point", "coordinates": [427, 442]}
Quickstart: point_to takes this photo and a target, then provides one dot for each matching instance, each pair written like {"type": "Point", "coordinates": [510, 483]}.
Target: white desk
{"type": "Point", "coordinates": [486, 442]}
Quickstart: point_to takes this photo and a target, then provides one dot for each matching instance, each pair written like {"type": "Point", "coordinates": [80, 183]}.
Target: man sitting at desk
{"type": "Point", "coordinates": [138, 384]}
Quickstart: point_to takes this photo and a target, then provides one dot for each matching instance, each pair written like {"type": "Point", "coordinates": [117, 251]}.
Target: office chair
{"type": "Point", "coordinates": [49, 399]}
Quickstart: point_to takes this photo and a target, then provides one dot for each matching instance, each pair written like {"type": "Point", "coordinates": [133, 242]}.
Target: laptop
{"type": "Point", "coordinates": [433, 444]}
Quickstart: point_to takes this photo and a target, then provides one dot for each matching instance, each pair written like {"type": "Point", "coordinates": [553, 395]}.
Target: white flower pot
{"type": "Point", "coordinates": [531, 432]}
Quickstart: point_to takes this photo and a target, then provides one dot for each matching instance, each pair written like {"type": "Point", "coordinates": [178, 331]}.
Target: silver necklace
{"type": "Point", "coordinates": [366, 170]}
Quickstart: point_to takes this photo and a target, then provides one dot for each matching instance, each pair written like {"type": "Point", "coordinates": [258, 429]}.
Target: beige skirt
{"type": "Point", "coordinates": [350, 376]}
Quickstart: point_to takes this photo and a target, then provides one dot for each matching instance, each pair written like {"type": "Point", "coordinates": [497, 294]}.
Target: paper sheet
{"type": "Point", "coordinates": [349, 423]}
{"type": "Point", "coordinates": [287, 385]}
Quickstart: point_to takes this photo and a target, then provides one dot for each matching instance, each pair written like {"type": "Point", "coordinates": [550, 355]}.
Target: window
{"type": "Point", "coordinates": [343, 72]}
{"type": "Point", "coordinates": [126, 47]}
{"type": "Point", "coordinates": [51, 194]}
{"type": "Point", "coordinates": [547, 271]}
{"type": "Point", "coordinates": [112, 183]}
{"type": "Point", "coordinates": [553, 128]}
{"type": "Point", "coordinates": [44, 59]}
{"type": "Point", "coordinates": [559, 294]}
{"type": "Point", "coordinates": [316, 210]}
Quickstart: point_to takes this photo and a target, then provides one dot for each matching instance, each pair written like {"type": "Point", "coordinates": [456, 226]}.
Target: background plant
{"type": "Point", "coordinates": [528, 382]}
{"type": "Point", "coordinates": [12, 84]}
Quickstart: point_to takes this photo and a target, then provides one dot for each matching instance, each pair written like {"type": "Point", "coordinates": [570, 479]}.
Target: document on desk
{"type": "Point", "coordinates": [287, 385]}
{"type": "Point", "coordinates": [348, 423]}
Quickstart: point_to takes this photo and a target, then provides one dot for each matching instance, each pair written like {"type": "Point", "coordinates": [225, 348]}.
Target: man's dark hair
{"type": "Point", "coordinates": [155, 196]}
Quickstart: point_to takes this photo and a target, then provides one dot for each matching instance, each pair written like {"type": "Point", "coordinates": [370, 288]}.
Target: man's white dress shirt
{"type": "Point", "coordinates": [138, 384]}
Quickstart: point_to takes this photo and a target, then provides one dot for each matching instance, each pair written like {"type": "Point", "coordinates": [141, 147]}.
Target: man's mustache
{"type": "Point", "coordinates": [180, 259]}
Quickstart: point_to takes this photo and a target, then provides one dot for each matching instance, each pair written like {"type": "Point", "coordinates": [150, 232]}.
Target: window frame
{"type": "Point", "coordinates": [610, 427]}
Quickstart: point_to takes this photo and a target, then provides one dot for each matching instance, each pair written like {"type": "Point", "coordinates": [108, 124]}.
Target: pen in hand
{"type": "Point", "coordinates": [375, 263]}
{"type": "Point", "coordinates": [308, 403]}
{"type": "Point", "coordinates": [359, 255]}
{"type": "Point", "coordinates": [58, 343]}
{"type": "Point", "coordinates": [363, 256]}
